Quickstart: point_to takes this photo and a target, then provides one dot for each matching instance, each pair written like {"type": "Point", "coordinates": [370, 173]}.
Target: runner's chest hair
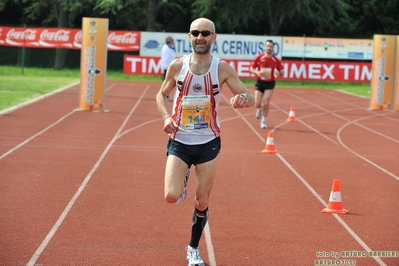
{"type": "Point", "coordinates": [200, 68]}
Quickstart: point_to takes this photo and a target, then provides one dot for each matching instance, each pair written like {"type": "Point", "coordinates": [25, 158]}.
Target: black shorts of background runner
{"type": "Point", "coordinates": [164, 74]}
{"type": "Point", "coordinates": [264, 85]}
{"type": "Point", "coordinates": [194, 154]}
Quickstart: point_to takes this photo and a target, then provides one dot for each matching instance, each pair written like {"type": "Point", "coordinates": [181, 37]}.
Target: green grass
{"type": "Point", "coordinates": [16, 88]}
{"type": "Point", "coordinates": [19, 85]}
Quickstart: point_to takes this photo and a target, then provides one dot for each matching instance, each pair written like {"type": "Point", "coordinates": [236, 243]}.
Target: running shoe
{"type": "Point", "coordinates": [263, 124]}
{"type": "Point", "coordinates": [259, 112]}
{"type": "Point", "coordinates": [193, 257]}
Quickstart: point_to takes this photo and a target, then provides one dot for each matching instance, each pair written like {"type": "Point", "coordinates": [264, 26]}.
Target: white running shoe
{"type": "Point", "coordinates": [259, 113]}
{"type": "Point", "coordinates": [193, 257]}
{"type": "Point", "coordinates": [184, 194]}
{"type": "Point", "coordinates": [263, 124]}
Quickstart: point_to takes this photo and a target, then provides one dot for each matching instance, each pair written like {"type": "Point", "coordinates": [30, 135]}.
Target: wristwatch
{"type": "Point", "coordinates": [245, 95]}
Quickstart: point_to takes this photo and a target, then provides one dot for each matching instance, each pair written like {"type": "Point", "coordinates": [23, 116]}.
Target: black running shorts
{"type": "Point", "coordinates": [264, 85]}
{"type": "Point", "coordinates": [194, 154]}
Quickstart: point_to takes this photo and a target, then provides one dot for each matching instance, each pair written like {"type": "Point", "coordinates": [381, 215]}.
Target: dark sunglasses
{"type": "Point", "coordinates": [204, 33]}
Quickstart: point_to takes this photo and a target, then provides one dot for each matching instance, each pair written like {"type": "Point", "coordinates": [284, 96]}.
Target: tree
{"type": "Point", "coordinates": [317, 18]}
{"type": "Point", "coordinates": [153, 6]}
{"type": "Point", "coordinates": [173, 16]}
{"type": "Point", "coordinates": [270, 16]}
{"type": "Point", "coordinates": [52, 13]}
{"type": "Point", "coordinates": [369, 17]}
{"type": "Point", "coordinates": [63, 14]}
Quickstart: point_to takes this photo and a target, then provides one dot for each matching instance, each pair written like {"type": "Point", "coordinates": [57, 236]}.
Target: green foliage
{"type": "Point", "coordinates": [113, 6]}
{"type": "Point", "coordinates": [378, 17]}
{"type": "Point", "coordinates": [3, 4]}
{"type": "Point", "coordinates": [171, 14]}
{"type": "Point", "coordinates": [323, 15]}
{"type": "Point", "coordinates": [318, 18]}
{"type": "Point", "coordinates": [268, 16]}
{"type": "Point", "coordinates": [47, 12]}
{"type": "Point", "coordinates": [236, 16]}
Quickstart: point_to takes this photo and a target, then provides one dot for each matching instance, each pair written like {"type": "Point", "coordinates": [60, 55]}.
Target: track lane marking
{"type": "Point", "coordinates": [338, 134]}
{"type": "Point", "coordinates": [310, 188]}
{"type": "Point", "coordinates": [46, 128]}
{"type": "Point", "coordinates": [69, 206]}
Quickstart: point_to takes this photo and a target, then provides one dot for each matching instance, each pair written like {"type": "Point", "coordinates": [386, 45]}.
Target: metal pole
{"type": "Point", "coordinates": [23, 51]}
{"type": "Point", "coordinates": [304, 52]}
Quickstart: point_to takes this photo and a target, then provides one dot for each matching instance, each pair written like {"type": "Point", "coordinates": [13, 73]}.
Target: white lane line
{"type": "Point", "coordinates": [209, 245]}
{"type": "Point", "coordinates": [360, 156]}
{"type": "Point", "coordinates": [58, 223]}
{"type": "Point", "coordinates": [34, 136]}
{"type": "Point", "coordinates": [311, 189]}
{"type": "Point", "coordinates": [336, 216]}
{"type": "Point", "coordinates": [355, 122]}
{"type": "Point", "coordinates": [48, 127]}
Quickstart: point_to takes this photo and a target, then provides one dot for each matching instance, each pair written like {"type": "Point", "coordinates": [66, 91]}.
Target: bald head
{"type": "Point", "coordinates": [202, 24]}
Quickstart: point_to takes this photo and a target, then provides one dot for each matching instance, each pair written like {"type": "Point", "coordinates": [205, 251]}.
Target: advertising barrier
{"type": "Point", "coordinates": [396, 82]}
{"type": "Point", "coordinates": [93, 64]}
{"type": "Point", "coordinates": [238, 49]}
{"type": "Point", "coordinates": [229, 46]}
{"type": "Point", "coordinates": [383, 72]}
{"type": "Point", "coordinates": [294, 70]}
{"type": "Point", "coordinates": [64, 38]}
{"type": "Point", "coordinates": [328, 48]}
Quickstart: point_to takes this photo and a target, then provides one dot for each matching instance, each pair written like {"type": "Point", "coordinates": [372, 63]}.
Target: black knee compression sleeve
{"type": "Point", "coordinates": [199, 221]}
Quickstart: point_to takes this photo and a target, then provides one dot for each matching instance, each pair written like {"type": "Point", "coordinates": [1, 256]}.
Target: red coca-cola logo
{"type": "Point", "coordinates": [126, 38]}
{"type": "Point", "coordinates": [26, 34]}
{"type": "Point", "coordinates": [55, 36]}
{"type": "Point", "coordinates": [65, 38]}
{"type": "Point", "coordinates": [78, 37]}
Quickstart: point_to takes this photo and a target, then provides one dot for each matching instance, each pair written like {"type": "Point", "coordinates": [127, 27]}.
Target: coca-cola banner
{"type": "Point", "coordinates": [64, 38]}
{"type": "Point", "coordinates": [293, 70]}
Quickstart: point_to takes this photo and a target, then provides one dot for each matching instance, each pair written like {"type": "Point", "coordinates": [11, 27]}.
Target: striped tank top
{"type": "Point", "coordinates": [195, 104]}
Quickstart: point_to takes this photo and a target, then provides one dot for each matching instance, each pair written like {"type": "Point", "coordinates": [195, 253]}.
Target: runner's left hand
{"type": "Point", "coordinates": [238, 101]}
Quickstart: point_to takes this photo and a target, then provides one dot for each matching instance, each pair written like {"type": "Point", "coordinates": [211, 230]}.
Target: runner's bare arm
{"type": "Point", "coordinates": [166, 88]}
{"type": "Point", "coordinates": [242, 98]}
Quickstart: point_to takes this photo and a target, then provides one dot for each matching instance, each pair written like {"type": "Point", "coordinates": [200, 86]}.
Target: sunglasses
{"type": "Point", "coordinates": [204, 33]}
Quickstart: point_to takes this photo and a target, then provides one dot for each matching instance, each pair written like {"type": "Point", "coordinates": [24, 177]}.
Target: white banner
{"type": "Point", "coordinates": [226, 46]}
{"type": "Point", "coordinates": [328, 48]}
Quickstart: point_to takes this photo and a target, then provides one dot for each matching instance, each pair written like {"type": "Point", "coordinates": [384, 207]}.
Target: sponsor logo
{"type": "Point", "coordinates": [152, 44]}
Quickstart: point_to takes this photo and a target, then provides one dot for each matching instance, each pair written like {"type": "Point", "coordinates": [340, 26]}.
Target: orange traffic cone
{"type": "Point", "coordinates": [291, 115]}
{"type": "Point", "coordinates": [335, 202]}
{"type": "Point", "coordinates": [269, 148]}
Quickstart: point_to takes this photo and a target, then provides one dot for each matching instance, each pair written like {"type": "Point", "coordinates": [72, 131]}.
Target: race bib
{"type": "Point", "coordinates": [196, 112]}
{"type": "Point", "coordinates": [267, 72]}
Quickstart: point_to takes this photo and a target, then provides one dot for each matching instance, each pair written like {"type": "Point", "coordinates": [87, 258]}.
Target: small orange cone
{"type": "Point", "coordinates": [269, 148]}
{"type": "Point", "coordinates": [291, 115]}
{"type": "Point", "coordinates": [335, 202]}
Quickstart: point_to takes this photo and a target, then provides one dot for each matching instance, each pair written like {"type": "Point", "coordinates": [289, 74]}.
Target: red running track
{"type": "Point", "coordinates": [86, 188]}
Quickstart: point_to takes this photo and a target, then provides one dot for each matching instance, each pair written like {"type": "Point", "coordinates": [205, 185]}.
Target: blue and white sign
{"type": "Point", "coordinates": [227, 46]}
